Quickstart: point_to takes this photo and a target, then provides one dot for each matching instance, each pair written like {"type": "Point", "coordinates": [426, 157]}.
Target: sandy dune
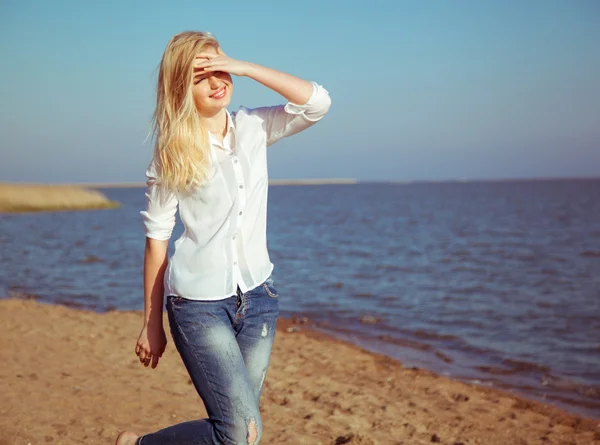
{"type": "Point", "coordinates": [38, 197]}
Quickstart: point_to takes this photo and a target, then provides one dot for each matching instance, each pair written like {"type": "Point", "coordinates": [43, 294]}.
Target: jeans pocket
{"type": "Point", "coordinates": [176, 300]}
{"type": "Point", "coordinates": [270, 290]}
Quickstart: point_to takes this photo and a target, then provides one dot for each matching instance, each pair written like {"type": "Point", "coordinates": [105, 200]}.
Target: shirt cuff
{"type": "Point", "coordinates": [318, 104]}
{"type": "Point", "coordinates": [157, 229]}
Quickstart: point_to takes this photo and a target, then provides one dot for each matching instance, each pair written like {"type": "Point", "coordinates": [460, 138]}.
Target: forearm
{"type": "Point", "coordinates": [155, 263]}
{"type": "Point", "coordinates": [294, 89]}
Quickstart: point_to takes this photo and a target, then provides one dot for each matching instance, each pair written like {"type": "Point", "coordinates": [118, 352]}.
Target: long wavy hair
{"type": "Point", "coordinates": [182, 149]}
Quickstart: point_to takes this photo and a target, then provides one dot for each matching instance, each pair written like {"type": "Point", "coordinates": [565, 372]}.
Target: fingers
{"type": "Point", "coordinates": [145, 359]}
{"type": "Point", "coordinates": [143, 354]}
{"type": "Point", "coordinates": [205, 55]}
{"type": "Point", "coordinates": [206, 62]}
{"type": "Point", "coordinates": [202, 60]}
{"type": "Point", "coordinates": [203, 65]}
{"type": "Point", "coordinates": [149, 356]}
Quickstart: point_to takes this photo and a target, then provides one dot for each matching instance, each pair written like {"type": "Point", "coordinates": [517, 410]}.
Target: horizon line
{"type": "Point", "coordinates": [324, 181]}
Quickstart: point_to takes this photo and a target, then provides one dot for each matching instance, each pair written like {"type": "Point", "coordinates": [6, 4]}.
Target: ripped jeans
{"type": "Point", "coordinates": [226, 348]}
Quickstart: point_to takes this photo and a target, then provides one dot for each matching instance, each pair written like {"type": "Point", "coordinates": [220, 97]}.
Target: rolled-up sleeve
{"type": "Point", "coordinates": [286, 120]}
{"type": "Point", "coordinates": [161, 206]}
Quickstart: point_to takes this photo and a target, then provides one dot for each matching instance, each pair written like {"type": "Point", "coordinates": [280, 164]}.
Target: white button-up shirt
{"type": "Point", "coordinates": [224, 243]}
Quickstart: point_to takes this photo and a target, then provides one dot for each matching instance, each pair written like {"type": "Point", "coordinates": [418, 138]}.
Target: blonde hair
{"type": "Point", "coordinates": [182, 149]}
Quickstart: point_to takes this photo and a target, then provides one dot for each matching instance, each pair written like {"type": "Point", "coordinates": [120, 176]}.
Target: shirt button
{"type": "Point", "coordinates": [233, 237]}
{"type": "Point", "coordinates": [235, 162]}
{"type": "Point", "coordinates": [240, 213]}
{"type": "Point", "coordinates": [241, 186]}
{"type": "Point", "coordinates": [235, 264]}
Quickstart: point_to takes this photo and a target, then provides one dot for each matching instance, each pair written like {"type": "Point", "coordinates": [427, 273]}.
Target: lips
{"type": "Point", "coordinates": [220, 93]}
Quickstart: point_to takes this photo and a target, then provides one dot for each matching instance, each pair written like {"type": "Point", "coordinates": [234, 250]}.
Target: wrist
{"type": "Point", "coordinates": [250, 69]}
{"type": "Point", "coordinates": [155, 318]}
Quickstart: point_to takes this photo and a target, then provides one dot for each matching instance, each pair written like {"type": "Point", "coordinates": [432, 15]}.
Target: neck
{"type": "Point", "coordinates": [215, 123]}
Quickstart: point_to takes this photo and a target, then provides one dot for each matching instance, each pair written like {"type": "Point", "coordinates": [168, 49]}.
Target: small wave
{"type": "Point", "coordinates": [336, 285]}
{"type": "Point", "coordinates": [70, 303]}
{"type": "Point", "coordinates": [425, 335]}
{"type": "Point", "coordinates": [22, 295]}
{"type": "Point", "coordinates": [362, 276]}
{"type": "Point", "coordinates": [463, 268]}
{"type": "Point", "coordinates": [405, 342]}
{"type": "Point", "coordinates": [395, 268]}
{"type": "Point", "coordinates": [471, 290]}
{"type": "Point", "coordinates": [520, 365]}
{"type": "Point", "coordinates": [369, 319]}
{"type": "Point", "coordinates": [496, 371]}
{"type": "Point", "coordinates": [444, 357]}
{"type": "Point", "coordinates": [481, 244]}
{"type": "Point", "coordinates": [590, 254]}
{"type": "Point", "coordinates": [91, 259]}
{"type": "Point", "coordinates": [460, 253]}
{"type": "Point", "coordinates": [589, 391]}
{"type": "Point", "coordinates": [359, 254]}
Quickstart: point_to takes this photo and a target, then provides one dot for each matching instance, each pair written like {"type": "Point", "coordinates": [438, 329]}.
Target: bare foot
{"type": "Point", "coordinates": [126, 438]}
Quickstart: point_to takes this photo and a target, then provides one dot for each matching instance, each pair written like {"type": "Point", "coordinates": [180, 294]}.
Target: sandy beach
{"type": "Point", "coordinates": [41, 197]}
{"type": "Point", "coordinates": [70, 376]}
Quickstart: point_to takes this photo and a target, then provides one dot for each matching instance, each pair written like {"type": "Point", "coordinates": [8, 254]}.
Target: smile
{"type": "Point", "coordinates": [220, 94]}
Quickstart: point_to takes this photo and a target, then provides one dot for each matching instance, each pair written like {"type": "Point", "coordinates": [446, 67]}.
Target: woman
{"type": "Point", "coordinates": [221, 301]}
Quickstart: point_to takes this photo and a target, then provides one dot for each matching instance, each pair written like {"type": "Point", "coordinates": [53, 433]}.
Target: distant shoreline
{"type": "Point", "coordinates": [271, 182]}
{"type": "Point", "coordinates": [317, 181]}
{"type": "Point", "coordinates": [23, 198]}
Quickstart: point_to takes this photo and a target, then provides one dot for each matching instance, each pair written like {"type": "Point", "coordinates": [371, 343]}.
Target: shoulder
{"type": "Point", "coordinates": [250, 118]}
{"type": "Point", "coordinates": [243, 113]}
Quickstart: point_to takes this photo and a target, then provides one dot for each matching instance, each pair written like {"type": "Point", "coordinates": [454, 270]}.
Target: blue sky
{"type": "Point", "coordinates": [421, 90]}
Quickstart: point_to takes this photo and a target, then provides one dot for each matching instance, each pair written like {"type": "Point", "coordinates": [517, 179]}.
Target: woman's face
{"type": "Point", "coordinates": [212, 90]}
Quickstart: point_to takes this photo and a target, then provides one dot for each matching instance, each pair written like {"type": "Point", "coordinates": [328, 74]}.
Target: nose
{"type": "Point", "coordinates": [215, 82]}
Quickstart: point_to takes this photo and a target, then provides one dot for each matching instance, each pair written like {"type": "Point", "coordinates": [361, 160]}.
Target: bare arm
{"type": "Point", "coordinates": [152, 341]}
{"type": "Point", "coordinates": [155, 264]}
{"type": "Point", "coordinates": [293, 88]}
{"type": "Point", "coordinates": [307, 103]}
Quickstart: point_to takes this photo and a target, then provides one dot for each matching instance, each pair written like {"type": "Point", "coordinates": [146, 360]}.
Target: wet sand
{"type": "Point", "coordinates": [70, 376]}
{"type": "Point", "coordinates": [16, 198]}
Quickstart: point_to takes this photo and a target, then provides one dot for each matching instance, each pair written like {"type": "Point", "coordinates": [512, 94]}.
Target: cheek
{"type": "Point", "coordinates": [197, 94]}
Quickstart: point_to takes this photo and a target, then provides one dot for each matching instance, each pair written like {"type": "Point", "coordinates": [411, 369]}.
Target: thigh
{"type": "Point", "coordinates": [256, 332]}
{"type": "Point", "coordinates": [205, 339]}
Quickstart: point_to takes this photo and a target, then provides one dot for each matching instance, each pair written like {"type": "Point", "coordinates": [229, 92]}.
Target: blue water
{"type": "Point", "coordinates": [496, 283]}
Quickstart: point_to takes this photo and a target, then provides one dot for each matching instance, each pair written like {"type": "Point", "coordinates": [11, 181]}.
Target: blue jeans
{"type": "Point", "coordinates": [226, 348]}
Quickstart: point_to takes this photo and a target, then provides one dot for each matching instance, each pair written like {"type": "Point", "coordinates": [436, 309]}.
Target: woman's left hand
{"type": "Point", "coordinates": [222, 62]}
